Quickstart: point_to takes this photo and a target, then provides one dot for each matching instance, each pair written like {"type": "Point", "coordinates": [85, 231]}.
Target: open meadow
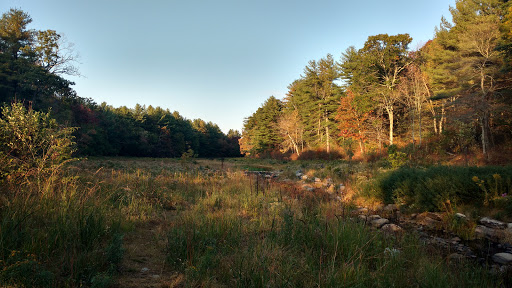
{"type": "Point", "coordinates": [146, 222]}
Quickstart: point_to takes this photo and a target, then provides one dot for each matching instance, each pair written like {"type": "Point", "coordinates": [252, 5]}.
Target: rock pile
{"type": "Point", "coordinates": [428, 225]}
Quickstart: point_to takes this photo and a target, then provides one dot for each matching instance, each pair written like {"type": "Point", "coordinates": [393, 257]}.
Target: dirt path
{"type": "Point", "coordinates": [143, 263]}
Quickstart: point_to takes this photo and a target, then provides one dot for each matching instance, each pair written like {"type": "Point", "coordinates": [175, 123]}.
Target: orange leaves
{"type": "Point", "coordinates": [352, 121]}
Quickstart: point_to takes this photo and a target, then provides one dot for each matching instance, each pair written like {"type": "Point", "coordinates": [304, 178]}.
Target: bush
{"type": "Point", "coordinates": [436, 187]}
{"type": "Point", "coordinates": [396, 158]}
{"type": "Point", "coordinates": [33, 147]}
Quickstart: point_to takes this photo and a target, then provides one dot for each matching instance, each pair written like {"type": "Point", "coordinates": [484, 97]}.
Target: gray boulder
{"type": "Point", "coordinates": [502, 258]}
{"type": "Point", "coordinates": [492, 223]}
{"type": "Point", "coordinates": [488, 233]}
{"type": "Point", "coordinates": [377, 223]}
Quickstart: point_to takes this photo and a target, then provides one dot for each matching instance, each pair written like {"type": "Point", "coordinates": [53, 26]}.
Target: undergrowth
{"type": "Point", "coordinates": [440, 188]}
{"type": "Point", "coordinates": [225, 233]}
{"type": "Point", "coordinates": [237, 238]}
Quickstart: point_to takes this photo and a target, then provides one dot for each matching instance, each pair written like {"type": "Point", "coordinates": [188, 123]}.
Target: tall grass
{"type": "Point", "coordinates": [67, 237]}
{"type": "Point", "coordinates": [224, 232]}
{"type": "Point", "coordinates": [235, 238]}
{"type": "Point", "coordinates": [72, 234]}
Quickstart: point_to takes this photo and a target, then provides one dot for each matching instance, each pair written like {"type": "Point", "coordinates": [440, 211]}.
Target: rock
{"type": "Point", "coordinates": [318, 180]}
{"type": "Point", "coordinates": [304, 177]}
{"type": "Point", "coordinates": [373, 217]}
{"type": "Point", "coordinates": [502, 258]}
{"type": "Point", "coordinates": [144, 270]}
{"type": "Point", "coordinates": [377, 223]}
{"type": "Point", "coordinates": [460, 216]}
{"type": "Point", "coordinates": [428, 222]}
{"type": "Point", "coordinates": [491, 223]}
{"type": "Point", "coordinates": [362, 218]}
{"type": "Point", "coordinates": [488, 233]}
{"type": "Point", "coordinates": [438, 241]}
{"type": "Point", "coordinates": [299, 174]}
{"type": "Point", "coordinates": [391, 228]}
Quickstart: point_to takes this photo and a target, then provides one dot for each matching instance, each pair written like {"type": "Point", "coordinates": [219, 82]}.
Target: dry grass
{"type": "Point", "coordinates": [202, 223]}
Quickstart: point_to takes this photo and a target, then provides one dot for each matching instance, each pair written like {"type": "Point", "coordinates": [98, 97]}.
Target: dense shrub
{"type": "Point", "coordinates": [33, 147]}
{"type": "Point", "coordinates": [436, 187]}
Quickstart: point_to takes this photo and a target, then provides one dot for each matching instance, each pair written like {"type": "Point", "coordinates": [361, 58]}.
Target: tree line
{"type": "Point", "coordinates": [455, 90]}
{"type": "Point", "coordinates": [33, 65]}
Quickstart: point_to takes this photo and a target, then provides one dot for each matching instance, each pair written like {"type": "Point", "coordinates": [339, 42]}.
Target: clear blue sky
{"type": "Point", "coordinates": [215, 60]}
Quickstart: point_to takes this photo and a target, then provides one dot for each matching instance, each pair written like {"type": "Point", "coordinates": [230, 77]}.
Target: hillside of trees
{"type": "Point", "coordinates": [33, 67]}
{"type": "Point", "coordinates": [453, 93]}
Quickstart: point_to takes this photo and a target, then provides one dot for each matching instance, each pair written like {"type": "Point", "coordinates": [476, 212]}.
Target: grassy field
{"type": "Point", "coordinates": [122, 222]}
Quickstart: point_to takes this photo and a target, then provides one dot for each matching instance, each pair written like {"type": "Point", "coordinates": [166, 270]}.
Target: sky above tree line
{"type": "Point", "coordinates": [215, 60]}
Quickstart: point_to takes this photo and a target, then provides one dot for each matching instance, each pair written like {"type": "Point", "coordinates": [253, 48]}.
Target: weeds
{"type": "Point", "coordinates": [222, 232]}
{"type": "Point", "coordinates": [232, 237]}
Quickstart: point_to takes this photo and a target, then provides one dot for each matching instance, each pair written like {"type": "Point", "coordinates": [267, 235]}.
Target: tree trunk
{"type": "Point", "coordinates": [412, 128]}
{"type": "Point", "coordinates": [361, 143]}
{"type": "Point", "coordinates": [295, 146]}
{"type": "Point", "coordinates": [390, 114]}
{"type": "Point", "coordinates": [419, 123]}
{"type": "Point", "coordinates": [319, 135]}
{"type": "Point", "coordinates": [327, 140]}
{"type": "Point", "coordinates": [484, 120]}
{"type": "Point", "coordinates": [440, 130]}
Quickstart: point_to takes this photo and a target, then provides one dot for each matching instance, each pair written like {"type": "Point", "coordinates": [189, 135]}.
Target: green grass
{"type": "Point", "coordinates": [236, 238]}
{"type": "Point", "coordinates": [63, 238]}
{"type": "Point", "coordinates": [223, 233]}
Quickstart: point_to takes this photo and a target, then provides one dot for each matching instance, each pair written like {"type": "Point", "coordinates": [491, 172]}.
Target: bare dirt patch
{"type": "Point", "coordinates": [144, 261]}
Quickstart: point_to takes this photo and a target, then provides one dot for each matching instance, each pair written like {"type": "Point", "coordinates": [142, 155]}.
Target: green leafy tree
{"type": "Point", "coordinates": [386, 58]}
{"type": "Point", "coordinates": [320, 76]}
{"type": "Point", "coordinates": [466, 64]}
{"type": "Point", "coordinates": [261, 131]}
{"type": "Point", "coordinates": [314, 98]}
{"type": "Point", "coordinates": [14, 34]}
{"type": "Point", "coordinates": [28, 67]}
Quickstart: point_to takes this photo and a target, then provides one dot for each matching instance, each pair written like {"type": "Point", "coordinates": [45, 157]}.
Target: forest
{"type": "Point", "coordinates": [33, 67]}
{"type": "Point", "coordinates": [450, 95]}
